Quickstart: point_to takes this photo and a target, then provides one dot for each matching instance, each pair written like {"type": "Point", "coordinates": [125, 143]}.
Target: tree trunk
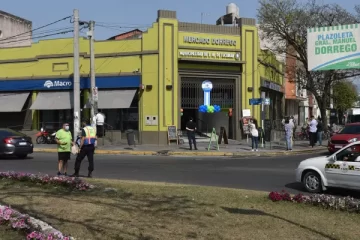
{"type": "Point", "coordinates": [322, 106]}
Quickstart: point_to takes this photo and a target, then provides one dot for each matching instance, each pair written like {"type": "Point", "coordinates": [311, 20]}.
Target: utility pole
{"type": "Point", "coordinates": [77, 113]}
{"type": "Point", "coordinates": [94, 90]}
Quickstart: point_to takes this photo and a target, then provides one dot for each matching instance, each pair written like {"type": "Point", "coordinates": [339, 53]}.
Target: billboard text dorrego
{"type": "Point", "coordinates": [335, 47]}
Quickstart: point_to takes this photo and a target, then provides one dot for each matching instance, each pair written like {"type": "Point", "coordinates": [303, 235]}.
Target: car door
{"type": "Point", "coordinates": [345, 171]}
{"type": "Point", "coordinates": [351, 168]}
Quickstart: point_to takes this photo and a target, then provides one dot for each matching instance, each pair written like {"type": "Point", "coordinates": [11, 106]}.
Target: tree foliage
{"type": "Point", "coordinates": [284, 23]}
{"type": "Point", "coordinates": [344, 95]}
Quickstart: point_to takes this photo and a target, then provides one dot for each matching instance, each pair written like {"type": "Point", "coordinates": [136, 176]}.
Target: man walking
{"type": "Point", "coordinates": [191, 128]}
{"type": "Point", "coordinates": [64, 141]}
{"type": "Point", "coordinates": [100, 120]}
{"type": "Point", "coordinates": [313, 131]}
{"type": "Point", "coordinates": [87, 148]}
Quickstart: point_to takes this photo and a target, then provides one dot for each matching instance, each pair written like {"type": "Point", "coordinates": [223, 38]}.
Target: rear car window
{"type": "Point", "coordinates": [353, 129]}
{"type": "Point", "coordinates": [8, 132]}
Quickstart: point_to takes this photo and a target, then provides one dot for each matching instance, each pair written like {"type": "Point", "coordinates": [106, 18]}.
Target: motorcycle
{"type": "Point", "coordinates": [44, 137]}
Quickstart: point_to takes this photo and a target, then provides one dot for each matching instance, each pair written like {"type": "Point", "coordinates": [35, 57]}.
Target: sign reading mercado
{"type": "Point", "coordinates": [332, 48]}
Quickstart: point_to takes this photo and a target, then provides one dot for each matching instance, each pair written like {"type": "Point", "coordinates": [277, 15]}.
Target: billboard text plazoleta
{"type": "Point", "coordinates": [333, 47]}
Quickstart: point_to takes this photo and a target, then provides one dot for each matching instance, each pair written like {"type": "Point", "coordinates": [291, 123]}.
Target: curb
{"type": "Point", "coordinates": [198, 153]}
{"type": "Point", "coordinates": [105, 152]}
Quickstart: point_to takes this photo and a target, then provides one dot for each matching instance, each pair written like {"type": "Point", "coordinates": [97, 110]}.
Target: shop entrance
{"type": "Point", "coordinates": [192, 96]}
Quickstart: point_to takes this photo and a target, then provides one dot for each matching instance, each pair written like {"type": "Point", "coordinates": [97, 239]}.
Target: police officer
{"type": "Point", "coordinates": [87, 148]}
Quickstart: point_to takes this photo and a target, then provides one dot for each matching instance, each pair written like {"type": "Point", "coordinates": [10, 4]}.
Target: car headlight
{"type": "Point", "coordinates": [352, 140]}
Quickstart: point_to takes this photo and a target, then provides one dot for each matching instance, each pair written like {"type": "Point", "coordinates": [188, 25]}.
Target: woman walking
{"type": "Point", "coordinates": [288, 134]}
{"type": "Point", "coordinates": [254, 135]}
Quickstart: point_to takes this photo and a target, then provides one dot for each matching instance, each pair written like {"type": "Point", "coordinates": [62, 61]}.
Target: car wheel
{"type": "Point", "coordinates": [22, 156]}
{"type": "Point", "coordinates": [40, 140]}
{"type": "Point", "coordinates": [312, 182]}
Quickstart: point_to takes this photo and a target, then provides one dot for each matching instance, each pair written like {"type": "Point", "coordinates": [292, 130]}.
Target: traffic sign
{"type": "Point", "coordinates": [255, 101]}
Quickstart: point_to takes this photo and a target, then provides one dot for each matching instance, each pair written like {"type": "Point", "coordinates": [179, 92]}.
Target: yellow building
{"type": "Point", "coordinates": [272, 84]}
{"type": "Point", "coordinates": [144, 82]}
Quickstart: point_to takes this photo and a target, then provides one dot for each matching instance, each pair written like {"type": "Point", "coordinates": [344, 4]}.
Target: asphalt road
{"type": "Point", "coordinates": [257, 173]}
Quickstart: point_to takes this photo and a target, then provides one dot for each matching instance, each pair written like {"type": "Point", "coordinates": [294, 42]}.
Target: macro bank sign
{"type": "Point", "coordinates": [50, 84]}
{"type": "Point", "coordinates": [332, 48]}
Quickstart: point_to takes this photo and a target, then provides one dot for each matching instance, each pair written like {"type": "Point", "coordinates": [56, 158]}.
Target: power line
{"type": "Point", "coordinates": [37, 28]}
{"type": "Point", "coordinates": [121, 24]}
{"type": "Point", "coordinates": [42, 36]}
{"type": "Point", "coordinates": [117, 28]}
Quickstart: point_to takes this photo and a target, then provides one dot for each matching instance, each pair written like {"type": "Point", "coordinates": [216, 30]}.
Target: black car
{"type": "Point", "coordinates": [13, 143]}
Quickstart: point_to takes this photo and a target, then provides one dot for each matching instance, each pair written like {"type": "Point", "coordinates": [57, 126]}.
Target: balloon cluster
{"type": "Point", "coordinates": [209, 109]}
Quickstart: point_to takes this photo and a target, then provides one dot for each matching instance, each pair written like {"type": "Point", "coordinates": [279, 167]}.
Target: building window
{"type": "Point", "coordinates": [123, 119]}
{"type": "Point", "coordinates": [1, 34]}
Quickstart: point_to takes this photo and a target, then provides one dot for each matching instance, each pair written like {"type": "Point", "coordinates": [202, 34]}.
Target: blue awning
{"type": "Point", "coordinates": [113, 82]}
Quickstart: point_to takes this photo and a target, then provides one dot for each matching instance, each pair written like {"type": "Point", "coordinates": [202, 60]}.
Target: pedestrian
{"type": "Point", "coordinates": [87, 148]}
{"type": "Point", "coordinates": [100, 120]}
{"type": "Point", "coordinates": [292, 122]}
{"type": "Point", "coordinates": [254, 135]}
{"type": "Point", "coordinates": [64, 142]}
{"type": "Point", "coordinates": [320, 131]}
{"type": "Point", "coordinates": [313, 130]}
{"type": "Point", "coordinates": [288, 134]}
{"type": "Point", "coordinates": [191, 130]}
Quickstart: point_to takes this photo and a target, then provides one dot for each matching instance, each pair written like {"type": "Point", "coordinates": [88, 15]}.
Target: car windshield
{"type": "Point", "coordinates": [350, 129]}
{"type": "Point", "coordinates": [8, 132]}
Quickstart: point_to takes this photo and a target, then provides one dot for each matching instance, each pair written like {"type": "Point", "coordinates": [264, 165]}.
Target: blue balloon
{"type": "Point", "coordinates": [217, 108]}
{"type": "Point", "coordinates": [203, 108]}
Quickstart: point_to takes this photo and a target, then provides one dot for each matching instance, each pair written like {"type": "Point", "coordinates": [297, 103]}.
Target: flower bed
{"type": "Point", "coordinates": [70, 182]}
{"type": "Point", "coordinates": [33, 228]}
{"type": "Point", "coordinates": [348, 204]}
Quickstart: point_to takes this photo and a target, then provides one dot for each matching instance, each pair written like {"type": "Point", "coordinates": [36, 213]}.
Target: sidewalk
{"type": "Point", "coordinates": [232, 149]}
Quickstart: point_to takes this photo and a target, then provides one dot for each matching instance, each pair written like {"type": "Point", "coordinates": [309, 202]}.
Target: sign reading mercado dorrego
{"type": "Point", "coordinates": [332, 48]}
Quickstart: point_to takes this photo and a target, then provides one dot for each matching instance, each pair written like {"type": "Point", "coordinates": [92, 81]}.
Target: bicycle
{"type": "Point", "coordinates": [303, 135]}
{"type": "Point", "coordinates": [326, 135]}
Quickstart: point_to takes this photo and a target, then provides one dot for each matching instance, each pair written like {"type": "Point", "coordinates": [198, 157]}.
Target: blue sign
{"type": "Point", "coordinates": [67, 83]}
{"type": "Point", "coordinates": [207, 86]}
{"type": "Point", "coordinates": [255, 101]}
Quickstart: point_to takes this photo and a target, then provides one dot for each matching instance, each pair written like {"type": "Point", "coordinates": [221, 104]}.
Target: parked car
{"type": "Point", "coordinates": [349, 134]}
{"type": "Point", "coordinates": [15, 143]}
{"type": "Point", "coordinates": [339, 170]}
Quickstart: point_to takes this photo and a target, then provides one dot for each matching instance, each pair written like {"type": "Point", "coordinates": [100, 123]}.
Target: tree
{"type": "Point", "coordinates": [345, 95]}
{"type": "Point", "coordinates": [284, 23]}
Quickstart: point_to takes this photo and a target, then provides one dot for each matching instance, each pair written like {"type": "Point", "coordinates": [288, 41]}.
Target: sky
{"type": "Point", "coordinates": [116, 16]}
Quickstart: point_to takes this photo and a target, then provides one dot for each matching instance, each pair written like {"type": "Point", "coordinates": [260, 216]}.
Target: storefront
{"type": "Point", "coordinates": [215, 58]}
{"type": "Point", "coordinates": [49, 102]}
{"type": "Point", "coordinates": [144, 85]}
{"type": "Point", "coordinates": [275, 93]}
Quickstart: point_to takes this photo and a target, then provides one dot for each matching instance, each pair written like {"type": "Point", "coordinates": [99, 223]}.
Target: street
{"type": "Point", "coordinates": [257, 173]}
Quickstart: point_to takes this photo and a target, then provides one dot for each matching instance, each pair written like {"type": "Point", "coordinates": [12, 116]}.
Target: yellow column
{"type": "Point", "coordinates": [34, 113]}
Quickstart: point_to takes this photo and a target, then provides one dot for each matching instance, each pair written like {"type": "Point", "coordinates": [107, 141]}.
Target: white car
{"type": "Point", "coordinates": [340, 170]}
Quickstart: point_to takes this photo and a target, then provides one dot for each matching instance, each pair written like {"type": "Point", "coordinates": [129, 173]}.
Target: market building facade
{"type": "Point", "coordinates": [144, 82]}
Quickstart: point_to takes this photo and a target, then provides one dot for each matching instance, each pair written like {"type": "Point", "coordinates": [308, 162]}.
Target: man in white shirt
{"type": "Point", "coordinates": [100, 120]}
{"type": "Point", "coordinates": [313, 131]}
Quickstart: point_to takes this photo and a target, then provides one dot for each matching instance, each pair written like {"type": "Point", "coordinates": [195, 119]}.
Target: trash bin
{"type": "Point", "coordinates": [130, 135]}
